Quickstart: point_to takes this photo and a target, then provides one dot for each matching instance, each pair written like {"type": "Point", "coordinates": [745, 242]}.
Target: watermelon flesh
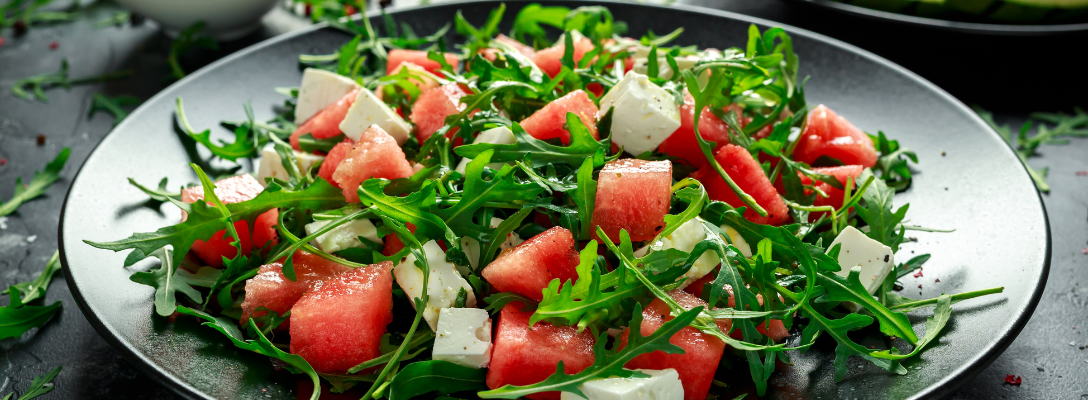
{"type": "Point", "coordinates": [550, 60]}
{"type": "Point", "coordinates": [375, 155]}
{"type": "Point", "coordinates": [271, 290]}
{"type": "Point", "coordinates": [430, 111]}
{"type": "Point", "coordinates": [633, 195]}
{"type": "Point", "coordinates": [326, 123]}
{"type": "Point", "coordinates": [332, 160]}
{"type": "Point", "coordinates": [702, 352]}
{"type": "Point", "coordinates": [835, 196]}
{"type": "Point", "coordinates": [683, 144]}
{"type": "Point", "coordinates": [777, 332]}
{"type": "Point", "coordinates": [339, 323]}
{"type": "Point", "coordinates": [235, 189]}
{"type": "Point", "coordinates": [749, 176]}
{"type": "Point", "coordinates": [528, 268]}
{"type": "Point", "coordinates": [549, 122]}
{"type": "Point", "coordinates": [828, 134]}
{"type": "Point", "coordinates": [523, 356]}
{"type": "Point", "coordinates": [417, 57]}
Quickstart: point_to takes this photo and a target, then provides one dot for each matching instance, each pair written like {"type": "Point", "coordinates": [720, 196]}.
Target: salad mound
{"type": "Point", "coordinates": [519, 217]}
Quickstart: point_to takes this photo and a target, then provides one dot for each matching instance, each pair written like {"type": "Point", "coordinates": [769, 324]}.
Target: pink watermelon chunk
{"type": "Point", "coordinates": [332, 160]}
{"type": "Point", "coordinates": [550, 59]}
{"type": "Point", "coordinates": [702, 352]}
{"type": "Point", "coordinates": [375, 155]}
{"type": "Point", "coordinates": [340, 322]}
{"type": "Point", "coordinates": [271, 290]}
{"type": "Point", "coordinates": [523, 356]}
{"type": "Point", "coordinates": [528, 268]}
{"type": "Point", "coordinates": [633, 195]}
{"type": "Point", "coordinates": [430, 111]}
{"type": "Point", "coordinates": [326, 123]}
{"type": "Point", "coordinates": [235, 189]}
{"type": "Point", "coordinates": [550, 122]}
{"type": "Point", "coordinates": [749, 176]}
{"type": "Point", "coordinates": [776, 333]}
{"type": "Point", "coordinates": [828, 134]}
{"type": "Point", "coordinates": [417, 57]}
{"type": "Point", "coordinates": [682, 143]}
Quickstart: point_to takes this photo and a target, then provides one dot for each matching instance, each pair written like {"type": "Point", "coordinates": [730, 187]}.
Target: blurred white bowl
{"type": "Point", "coordinates": [224, 19]}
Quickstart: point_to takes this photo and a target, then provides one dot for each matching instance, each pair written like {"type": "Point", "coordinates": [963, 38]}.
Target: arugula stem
{"type": "Point", "coordinates": [955, 298]}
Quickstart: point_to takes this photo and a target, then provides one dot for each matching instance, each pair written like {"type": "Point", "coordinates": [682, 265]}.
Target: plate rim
{"type": "Point", "coordinates": [943, 387]}
{"type": "Point", "coordinates": [981, 28]}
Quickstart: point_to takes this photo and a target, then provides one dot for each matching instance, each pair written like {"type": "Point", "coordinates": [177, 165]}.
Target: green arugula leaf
{"type": "Point", "coordinates": [892, 323]}
{"type": "Point", "coordinates": [435, 376]}
{"type": "Point", "coordinates": [582, 146]}
{"type": "Point", "coordinates": [17, 318]}
{"type": "Point", "coordinates": [40, 385]}
{"type": "Point", "coordinates": [585, 196]}
{"type": "Point", "coordinates": [907, 305]}
{"type": "Point", "coordinates": [244, 145]}
{"type": "Point", "coordinates": [34, 87]}
{"type": "Point", "coordinates": [892, 163]}
{"type": "Point", "coordinates": [308, 144]}
{"type": "Point", "coordinates": [480, 38]}
{"type": "Point", "coordinates": [112, 105]}
{"type": "Point", "coordinates": [934, 325]}
{"type": "Point", "coordinates": [260, 345]}
{"type": "Point", "coordinates": [188, 39]}
{"type": "Point", "coordinates": [607, 363]}
{"type": "Point", "coordinates": [477, 192]}
{"type": "Point", "coordinates": [527, 23]}
{"type": "Point", "coordinates": [498, 236]}
{"type": "Point", "coordinates": [497, 301]}
{"type": "Point", "coordinates": [876, 211]}
{"type": "Point", "coordinates": [35, 289]}
{"type": "Point", "coordinates": [37, 185]}
{"type": "Point", "coordinates": [162, 194]}
{"type": "Point", "coordinates": [166, 282]}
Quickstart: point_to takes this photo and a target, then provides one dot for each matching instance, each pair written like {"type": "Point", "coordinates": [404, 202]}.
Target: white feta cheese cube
{"type": "Point", "coordinates": [500, 135]}
{"type": "Point", "coordinates": [661, 385]}
{"type": "Point", "coordinates": [369, 110]}
{"type": "Point", "coordinates": [875, 259]}
{"type": "Point", "coordinates": [272, 166]}
{"type": "Point", "coordinates": [472, 247]}
{"type": "Point", "coordinates": [463, 337]}
{"type": "Point", "coordinates": [685, 238]}
{"type": "Point", "coordinates": [344, 236]}
{"type": "Point", "coordinates": [444, 284]}
{"type": "Point", "coordinates": [644, 114]}
{"type": "Point", "coordinates": [320, 89]}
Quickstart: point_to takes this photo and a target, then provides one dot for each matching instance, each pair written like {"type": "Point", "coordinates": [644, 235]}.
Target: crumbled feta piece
{"type": "Point", "coordinates": [344, 236]}
{"type": "Point", "coordinates": [500, 135]}
{"type": "Point", "coordinates": [272, 166]}
{"type": "Point", "coordinates": [369, 110]}
{"type": "Point", "coordinates": [472, 247]}
{"type": "Point", "coordinates": [463, 337]}
{"type": "Point", "coordinates": [661, 385]}
{"type": "Point", "coordinates": [644, 114]}
{"type": "Point", "coordinates": [444, 284]}
{"type": "Point", "coordinates": [320, 89]}
{"type": "Point", "coordinates": [875, 259]}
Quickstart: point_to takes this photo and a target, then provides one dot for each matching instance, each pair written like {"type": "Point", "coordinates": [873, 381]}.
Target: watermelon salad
{"type": "Point", "coordinates": [540, 214]}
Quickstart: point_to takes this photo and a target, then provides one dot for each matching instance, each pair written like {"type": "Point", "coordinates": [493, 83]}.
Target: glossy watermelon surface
{"type": "Point", "coordinates": [340, 322]}
{"type": "Point", "coordinates": [683, 144]}
{"type": "Point", "coordinates": [528, 268]}
{"type": "Point", "coordinates": [375, 155]}
{"type": "Point", "coordinates": [549, 122]}
{"type": "Point", "coordinates": [430, 111]}
{"type": "Point", "coordinates": [271, 290]}
{"type": "Point", "coordinates": [235, 189]}
{"type": "Point", "coordinates": [417, 57]}
{"type": "Point", "coordinates": [550, 59]}
{"type": "Point", "coordinates": [522, 356]}
{"type": "Point", "coordinates": [326, 123]}
{"type": "Point", "coordinates": [332, 160]}
{"type": "Point", "coordinates": [829, 134]}
{"type": "Point", "coordinates": [633, 195]}
{"type": "Point", "coordinates": [701, 352]}
{"type": "Point", "coordinates": [749, 176]}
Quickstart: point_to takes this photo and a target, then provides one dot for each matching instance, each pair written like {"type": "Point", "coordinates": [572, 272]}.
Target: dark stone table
{"type": "Point", "coordinates": [1011, 75]}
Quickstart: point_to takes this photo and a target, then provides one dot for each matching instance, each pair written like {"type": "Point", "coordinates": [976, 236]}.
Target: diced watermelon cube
{"type": "Point", "coordinates": [828, 134]}
{"type": "Point", "coordinates": [326, 123]}
{"type": "Point", "coordinates": [339, 323]}
{"type": "Point", "coordinates": [776, 333]}
{"type": "Point", "coordinates": [633, 195]}
{"type": "Point", "coordinates": [417, 57]}
{"type": "Point", "coordinates": [332, 160]}
{"type": "Point", "coordinates": [235, 189]}
{"type": "Point", "coordinates": [749, 176]}
{"type": "Point", "coordinates": [271, 290]}
{"type": "Point", "coordinates": [375, 155]}
{"type": "Point", "coordinates": [430, 111]}
{"type": "Point", "coordinates": [523, 356]}
{"type": "Point", "coordinates": [550, 121]}
{"type": "Point", "coordinates": [550, 60]}
{"type": "Point", "coordinates": [682, 143]}
{"type": "Point", "coordinates": [528, 268]}
{"type": "Point", "coordinates": [702, 352]}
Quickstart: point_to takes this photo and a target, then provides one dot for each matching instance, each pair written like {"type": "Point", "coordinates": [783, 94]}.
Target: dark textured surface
{"type": "Point", "coordinates": [1043, 354]}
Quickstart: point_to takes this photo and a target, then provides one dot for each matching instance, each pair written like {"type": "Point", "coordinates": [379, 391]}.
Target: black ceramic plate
{"type": "Point", "coordinates": [970, 181]}
{"type": "Point", "coordinates": [968, 27]}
